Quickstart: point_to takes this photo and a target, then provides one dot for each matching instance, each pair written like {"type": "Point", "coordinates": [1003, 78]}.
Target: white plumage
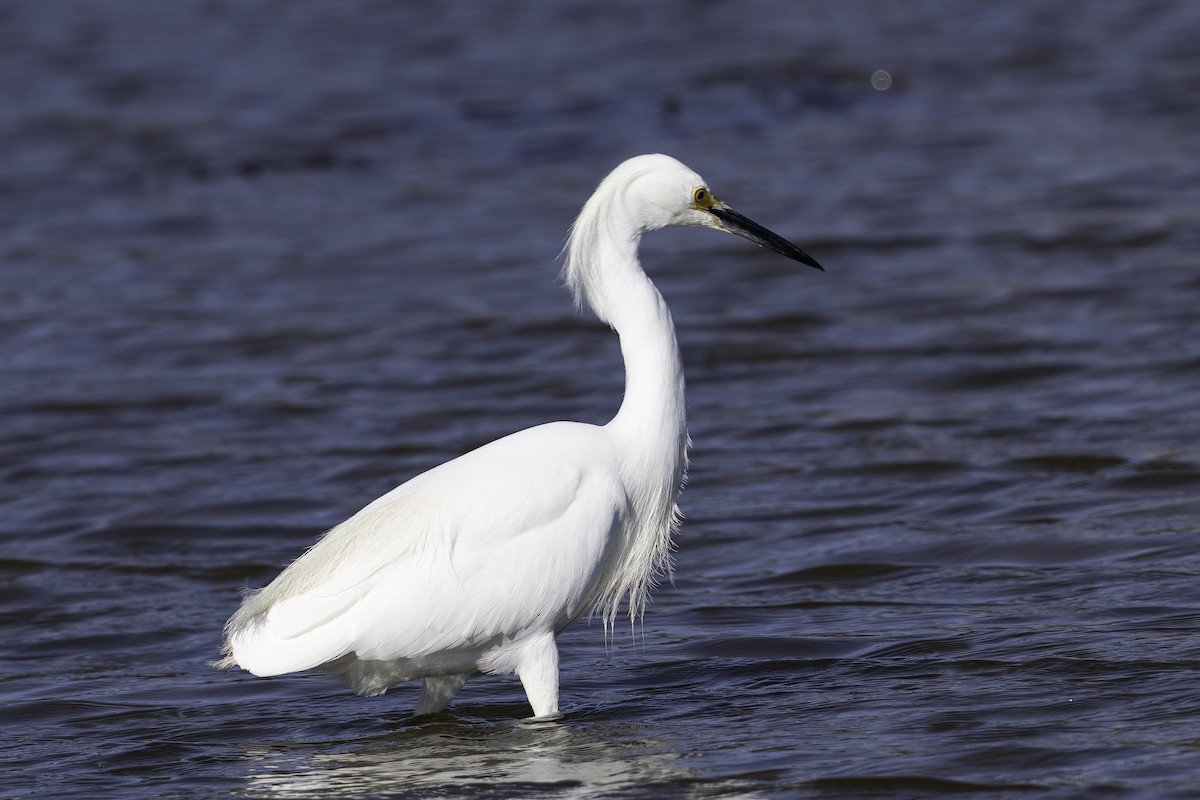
{"type": "Point", "coordinates": [476, 565]}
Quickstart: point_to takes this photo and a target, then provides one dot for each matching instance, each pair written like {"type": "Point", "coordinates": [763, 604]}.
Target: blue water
{"type": "Point", "coordinates": [261, 262]}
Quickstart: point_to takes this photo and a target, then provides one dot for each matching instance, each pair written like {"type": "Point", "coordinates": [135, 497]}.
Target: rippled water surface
{"type": "Point", "coordinates": [260, 262]}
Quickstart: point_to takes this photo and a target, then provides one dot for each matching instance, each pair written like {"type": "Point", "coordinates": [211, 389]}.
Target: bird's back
{"type": "Point", "coordinates": [449, 566]}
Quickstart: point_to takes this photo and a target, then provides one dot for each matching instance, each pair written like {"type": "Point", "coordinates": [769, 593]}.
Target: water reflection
{"type": "Point", "coordinates": [463, 760]}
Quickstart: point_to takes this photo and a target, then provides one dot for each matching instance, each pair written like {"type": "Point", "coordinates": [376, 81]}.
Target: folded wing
{"type": "Point", "coordinates": [513, 537]}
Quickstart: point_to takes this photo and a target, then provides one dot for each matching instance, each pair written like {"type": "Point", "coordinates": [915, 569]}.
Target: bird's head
{"type": "Point", "coordinates": [671, 194]}
{"type": "Point", "coordinates": [644, 194]}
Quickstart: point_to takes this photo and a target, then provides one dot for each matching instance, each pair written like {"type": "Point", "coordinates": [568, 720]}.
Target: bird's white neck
{"type": "Point", "coordinates": [652, 417]}
{"type": "Point", "coordinates": [651, 422]}
{"type": "Point", "coordinates": [649, 431]}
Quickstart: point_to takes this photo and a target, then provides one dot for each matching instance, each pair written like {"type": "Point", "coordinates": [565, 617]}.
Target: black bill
{"type": "Point", "coordinates": [733, 222]}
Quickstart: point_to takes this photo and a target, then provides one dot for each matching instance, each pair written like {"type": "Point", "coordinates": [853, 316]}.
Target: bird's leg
{"type": "Point", "coordinates": [437, 691]}
{"type": "Point", "coordinates": [538, 670]}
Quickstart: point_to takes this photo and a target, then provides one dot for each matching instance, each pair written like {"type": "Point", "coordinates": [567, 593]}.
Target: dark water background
{"type": "Point", "coordinates": [260, 262]}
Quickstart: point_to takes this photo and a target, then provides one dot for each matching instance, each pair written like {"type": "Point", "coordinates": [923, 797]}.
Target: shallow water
{"type": "Point", "coordinates": [261, 262]}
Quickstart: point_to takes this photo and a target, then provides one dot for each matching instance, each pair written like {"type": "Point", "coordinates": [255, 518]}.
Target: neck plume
{"type": "Point", "coordinates": [602, 271]}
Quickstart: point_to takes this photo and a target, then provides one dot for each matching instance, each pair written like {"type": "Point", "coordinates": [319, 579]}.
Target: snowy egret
{"type": "Point", "coordinates": [477, 564]}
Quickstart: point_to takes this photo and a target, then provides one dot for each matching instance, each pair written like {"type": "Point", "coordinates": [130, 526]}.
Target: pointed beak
{"type": "Point", "coordinates": [732, 222]}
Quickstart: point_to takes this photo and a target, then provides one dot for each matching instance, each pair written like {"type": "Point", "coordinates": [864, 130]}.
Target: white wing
{"type": "Point", "coordinates": [454, 560]}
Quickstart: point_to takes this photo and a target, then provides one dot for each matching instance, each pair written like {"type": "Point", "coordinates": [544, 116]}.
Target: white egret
{"type": "Point", "coordinates": [476, 565]}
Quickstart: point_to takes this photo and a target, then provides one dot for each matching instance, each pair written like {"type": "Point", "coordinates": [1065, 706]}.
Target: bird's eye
{"type": "Point", "coordinates": [700, 196]}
